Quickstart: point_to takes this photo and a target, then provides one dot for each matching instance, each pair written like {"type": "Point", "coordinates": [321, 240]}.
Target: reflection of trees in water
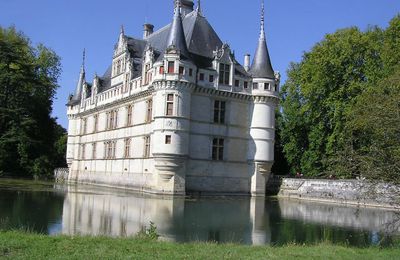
{"type": "Point", "coordinates": [32, 210]}
{"type": "Point", "coordinates": [315, 222]}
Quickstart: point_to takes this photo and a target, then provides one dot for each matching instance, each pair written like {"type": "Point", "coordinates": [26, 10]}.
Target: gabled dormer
{"type": "Point", "coordinates": [224, 64]}
{"type": "Point", "coordinates": [120, 55]}
{"type": "Point", "coordinates": [148, 65]}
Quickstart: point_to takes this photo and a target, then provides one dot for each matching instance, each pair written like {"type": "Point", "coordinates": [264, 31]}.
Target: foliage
{"type": "Point", "coordinates": [28, 81]}
{"type": "Point", "coordinates": [372, 147]}
{"type": "Point", "coordinates": [149, 233]}
{"type": "Point", "coordinates": [324, 95]}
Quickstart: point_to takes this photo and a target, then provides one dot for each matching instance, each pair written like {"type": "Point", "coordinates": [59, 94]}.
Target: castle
{"type": "Point", "coordinates": [176, 113]}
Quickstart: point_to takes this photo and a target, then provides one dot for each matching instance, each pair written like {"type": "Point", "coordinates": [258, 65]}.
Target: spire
{"type": "Point", "coordinates": [261, 67]}
{"type": "Point", "coordinates": [198, 9]}
{"type": "Point", "coordinates": [262, 23]}
{"type": "Point", "coordinates": [81, 81]}
{"type": "Point", "coordinates": [177, 35]}
{"type": "Point", "coordinates": [122, 31]}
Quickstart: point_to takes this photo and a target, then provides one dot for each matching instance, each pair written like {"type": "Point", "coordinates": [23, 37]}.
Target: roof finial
{"type": "Point", "coordinates": [199, 6]}
{"type": "Point", "coordinates": [262, 31]}
{"type": "Point", "coordinates": [122, 31]}
{"type": "Point", "coordinates": [83, 58]}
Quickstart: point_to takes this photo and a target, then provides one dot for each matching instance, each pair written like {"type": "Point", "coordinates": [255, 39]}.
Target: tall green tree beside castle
{"type": "Point", "coordinates": [30, 139]}
{"type": "Point", "coordinates": [341, 105]}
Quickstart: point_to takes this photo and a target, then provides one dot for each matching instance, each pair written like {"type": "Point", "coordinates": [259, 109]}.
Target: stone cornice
{"type": "Point", "coordinates": [173, 85]}
{"type": "Point", "coordinates": [141, 94]}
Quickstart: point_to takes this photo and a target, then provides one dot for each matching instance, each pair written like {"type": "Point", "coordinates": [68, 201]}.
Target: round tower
{"type": "Point", "coordinates": [172, 111]}
{"type": "Point", "coordinates": [265, 91]}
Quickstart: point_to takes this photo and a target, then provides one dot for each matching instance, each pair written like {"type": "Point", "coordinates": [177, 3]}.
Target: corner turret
{"type": "Point", "coordinates": [76, 97]}
{"type": "Point", "coordinates": [176, 35]}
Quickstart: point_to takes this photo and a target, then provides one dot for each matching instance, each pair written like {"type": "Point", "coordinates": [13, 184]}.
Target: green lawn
{"type": "Point", "coordinates": [19, 245]}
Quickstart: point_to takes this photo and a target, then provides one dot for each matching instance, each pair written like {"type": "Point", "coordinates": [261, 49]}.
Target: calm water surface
{"type": "Point", "coordinates": [85, 210]}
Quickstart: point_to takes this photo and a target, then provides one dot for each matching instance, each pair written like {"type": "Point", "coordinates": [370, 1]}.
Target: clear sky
{"type": "Point", "coordinates": [292, 27]}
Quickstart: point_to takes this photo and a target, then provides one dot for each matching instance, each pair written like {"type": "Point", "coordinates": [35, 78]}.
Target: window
{"type": "Point", "coordinates": [181, 70]}
{"type": "Point", "coordinates": [266, 86]}
{"type": "Point", "coordinates": [237, 83]}
{"type": "Point", "coordinates": [190, 72]}
{"type": "Point", "coordinates": [127, 148]}
{"type": "Point", "coordinates": [168, 139]}
{"type": "Point", "coordinates": [201, 77]}
{"type": "Point", "coordinates": [211, 78]}
{"type": "Point", "coordinates": [255, 85]}
{"type": "Point", "coordinates": [129, 116]}
{"type": "Point", "coordinates": [95, 123]}
{"type": "Point", "coordinates": [218, 149]}
{"type": "Point", "coordinates": [109, 149]}
{"type": "Point", "coordinates": [219, 111]}
{"type": "Point", "coordinates": [276, 87]}
{"type": "Point", "coordinates": [84, 125]}
{"type": "Point", "coordinates": [245, 84]}
{"type": "Point", "coordinates": [171, 67]}
{"type": "Point", "coordinates": [83, 152]}
{"type": "Point", "coordinates": [170, 105]}
{"type": "Point", "coordinates": [94, 150]}
{"type": "Point", "coordinates": [161, 71]}
{"type": "Point", "coordinates": [112, 121]}
{"type": "Point", "coordinates": [149, 112]}
{"type": "Point", "coordinates": [224, 73]}
{"type": "Point", "coordinates": [147, 146]}
{"type": "Point", "coordinates": [147, 74]}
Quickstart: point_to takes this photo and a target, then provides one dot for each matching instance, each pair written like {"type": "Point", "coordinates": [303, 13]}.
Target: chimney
{"type": "Point", "coordinates": [247, 62]}
{"type": "Point", "coordinates": [186, 7]}
{"type": "Point", "coordinates": [147, 30]}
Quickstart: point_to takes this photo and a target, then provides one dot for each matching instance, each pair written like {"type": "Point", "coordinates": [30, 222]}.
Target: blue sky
{"type": "Point", "coordinates": [292, 27]}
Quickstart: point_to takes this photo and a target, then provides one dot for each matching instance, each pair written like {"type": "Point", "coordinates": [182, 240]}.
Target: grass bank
{"type": "Point", "coordinates": [19, 245]}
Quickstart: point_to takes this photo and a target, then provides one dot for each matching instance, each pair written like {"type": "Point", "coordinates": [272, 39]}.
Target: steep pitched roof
{"type": "Point", "coordinates": [261, 66]}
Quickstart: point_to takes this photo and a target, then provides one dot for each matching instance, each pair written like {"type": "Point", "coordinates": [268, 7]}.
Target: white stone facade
{"type": "Point", "coordinates": [176, 126]}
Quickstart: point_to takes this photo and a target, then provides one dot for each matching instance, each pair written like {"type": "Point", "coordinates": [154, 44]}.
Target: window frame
{"type": "Point", "coordinates": [219, 112]}
{"type": "Point", "coordinates": [169, 104]}
{"type": "Point", "coordinates": [217, 150]}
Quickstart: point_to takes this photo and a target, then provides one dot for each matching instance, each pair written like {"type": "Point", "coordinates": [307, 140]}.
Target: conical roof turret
{"type": "Point", "coordinates": [176, 35]}
{"type": "Point", "coordinates": [261, 66]}
{"type": "Point", "coordinates": [79, 86]}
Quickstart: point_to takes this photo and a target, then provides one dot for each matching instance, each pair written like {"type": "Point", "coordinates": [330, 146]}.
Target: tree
{"type": "Point", "coordinates": [372, 147]}
{"type": "Point", "coordinates": [319, 96]}
{"type": "Point", "coordinates": [28, 81]}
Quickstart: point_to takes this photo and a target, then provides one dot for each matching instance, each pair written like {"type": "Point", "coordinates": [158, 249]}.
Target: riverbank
{"type": "Point", "coordinates": [358, 193]}
{"type": "Point", "coordinates": [19, 245]}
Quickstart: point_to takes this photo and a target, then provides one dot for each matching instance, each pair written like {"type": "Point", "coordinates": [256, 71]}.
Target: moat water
{"type": "Point", "coordinates": [86, 210]}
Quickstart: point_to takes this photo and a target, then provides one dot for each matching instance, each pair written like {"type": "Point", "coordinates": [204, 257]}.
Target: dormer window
{"type": "Point", "coordinates": [237, 83]}
{"type": "Point", "coordinates": [171, 67]}
{"type": "Point", "coordinates": [161, 71]}
{"type": "Point", "coordinates": [201, 77]}
{"type": "Point", "coordinates": [224, 73]}
{"type": "Point", "coordinates": [211, 78]}
{"type": "Point", "coordinates": [148, 75]}
{"type": "Point", "coordinates": [181, 71]}
{"type": "Point", "coordinates": [255, 85]}
{"type": "Point", "coordinates": [266, 86]}
{"type": "Point", "coordinates": [246, 84]}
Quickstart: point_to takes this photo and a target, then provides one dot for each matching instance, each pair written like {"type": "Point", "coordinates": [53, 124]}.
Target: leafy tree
{"type": "Point", "coordinates": [28, 81]}
{"type": "Point", "coordinates": [320, 94]}
{"type": "Point", "coordinates": [372, 147]}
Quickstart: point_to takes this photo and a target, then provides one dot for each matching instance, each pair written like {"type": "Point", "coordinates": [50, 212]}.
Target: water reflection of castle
{"type": "Point", "coordinates": [245, 220]}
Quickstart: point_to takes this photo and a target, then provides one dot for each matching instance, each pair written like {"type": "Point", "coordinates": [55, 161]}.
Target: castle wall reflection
{"type": "Point", "coordinates": [94, 211]}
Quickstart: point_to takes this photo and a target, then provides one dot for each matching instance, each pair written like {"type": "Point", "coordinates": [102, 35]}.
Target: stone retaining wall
{"type": "Point", "coordinates": [353, 192]}
{"type": "Point", "coordinates": [61, 174]}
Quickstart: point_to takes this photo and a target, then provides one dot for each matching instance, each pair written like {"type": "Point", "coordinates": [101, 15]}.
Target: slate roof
{"type": "Point", "coordinates": [201, 42]}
